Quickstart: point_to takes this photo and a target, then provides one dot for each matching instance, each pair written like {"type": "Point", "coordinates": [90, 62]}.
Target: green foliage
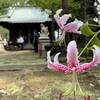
{"type": "Point", "coordinates": [96, 41]}
{"type": "Point", "coordinates": [21, 2]}
{"type": "Point", "coordinates": [13, 88]}
{"type": "Point", "coordinates": [4, 33]}
{"type": "Point", "coordinates": [5, 4]}
{"type": "Point", "coordinates": [53, 5]}
{"type": "Point", "coordinates": [74, 8]}
{"type": "Point", "coordinates": [85, 29]}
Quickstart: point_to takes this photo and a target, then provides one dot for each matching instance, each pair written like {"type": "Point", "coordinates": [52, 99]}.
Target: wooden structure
{"type": "Point", "coordinates": [23, 21]}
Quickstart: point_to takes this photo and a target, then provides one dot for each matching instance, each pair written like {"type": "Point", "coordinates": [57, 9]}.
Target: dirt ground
{"type": "Point", "coordinates": [28, 84]}
{"type": "Point", "coordinates": [38, 82]}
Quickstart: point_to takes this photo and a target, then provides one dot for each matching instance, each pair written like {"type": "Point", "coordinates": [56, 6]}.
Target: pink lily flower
{"type": "Point", "coordinates": [70, 27]}
{"type": "Point", "coordinates": [73, 64]}
{"type": "Point", "coordinates": [73, 27]}
{"type": "Point", "coordinates": [61, 21]}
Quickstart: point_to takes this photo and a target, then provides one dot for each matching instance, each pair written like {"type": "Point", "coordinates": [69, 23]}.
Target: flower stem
{"type": "Point", "coordinates": [76, 84]}
{"type": "Point", "coordinates": [94, 25]}
{"type": "Point", "coordinates": [74, 81]}
{"type": "Point", "coordinates": [88, 43]}
{"type": "Point", "coordinates": [61, 40]}
{"type": "Point", "coordinates": [64, 40]}
{"type": "Point", "coordinates": [80, 88]}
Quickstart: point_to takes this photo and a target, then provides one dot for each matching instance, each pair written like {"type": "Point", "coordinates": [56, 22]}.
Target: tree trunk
{"type": "Point", "coordinates": [64, 5]}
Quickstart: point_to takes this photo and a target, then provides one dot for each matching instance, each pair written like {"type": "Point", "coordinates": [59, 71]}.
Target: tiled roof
{"type": "Point", "coordinates": [25, 15]}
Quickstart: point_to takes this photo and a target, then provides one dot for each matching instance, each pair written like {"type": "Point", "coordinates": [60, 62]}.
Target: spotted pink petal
{"type": "Point", "coordinates": [72, 60]}
{"type": "Point", "coordinates": [59, 68]}
{"type": "Point", "coordinates": [64, 19]}
{"type": "Point", "coordinates": [84, 67]}
{"type": "Point", "coordinates": [56, 66]}
{"type": "Point", "coordinates": [61, 20]}
{"type": "Point", "coordinates": [72, 55]}
{"type": "Point", "coordinates": [96, 60]}
{"type": "Point", "coordinates": [73, 26]}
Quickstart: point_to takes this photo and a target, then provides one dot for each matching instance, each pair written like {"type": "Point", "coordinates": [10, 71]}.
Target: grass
{"type": "Point", "coordinates": [40, 83]}
{"type": "Point", "coordinates": [43, 85]}
{"type": "Point", "coordinates": [27, 58]}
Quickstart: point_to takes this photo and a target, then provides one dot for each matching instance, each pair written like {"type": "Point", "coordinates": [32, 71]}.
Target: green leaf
{"type": "Point", "coordinates": [96, 41]}
{"type": "Point", "coordinates": [85, 29]}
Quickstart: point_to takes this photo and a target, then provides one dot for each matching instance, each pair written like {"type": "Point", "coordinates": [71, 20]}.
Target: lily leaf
{"type": "Point", "coordinates": [85, 30]}
{"type": "Point", "coordinates": [96, 41]}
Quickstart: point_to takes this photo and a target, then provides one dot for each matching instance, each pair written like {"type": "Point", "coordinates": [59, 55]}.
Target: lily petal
{"type": "Point", "coordinates": [84, 67]}
{"type": "Point", "coordinates": [59, 11]}
{"type": "Point", "coordinates": [61, 21]}
{"type": "Point", "coordinates": [56, 66]}
{"type": "Point", "coordinates": [48, 57]}
{"type": "Point", "coordinates": [96, 57]}
{"type": "Point", "coordinates": [56, 58]}
{"type": "Point", "coordinates": [57, 17]}
{"type": "Point", "coordinates": [64, 19]}
{"type": "Point", "coordinates": [72, 55]}
{"type": "Point", "coordinates": [73, 26]}
{"type": "Point", "coordinates": [59, 68]}
{"type": "Point", "coordinates": [96, 60]}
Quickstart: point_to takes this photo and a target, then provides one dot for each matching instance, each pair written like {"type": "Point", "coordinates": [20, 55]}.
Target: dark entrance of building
{"type": "Point", "coordinates": [23, 21]}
